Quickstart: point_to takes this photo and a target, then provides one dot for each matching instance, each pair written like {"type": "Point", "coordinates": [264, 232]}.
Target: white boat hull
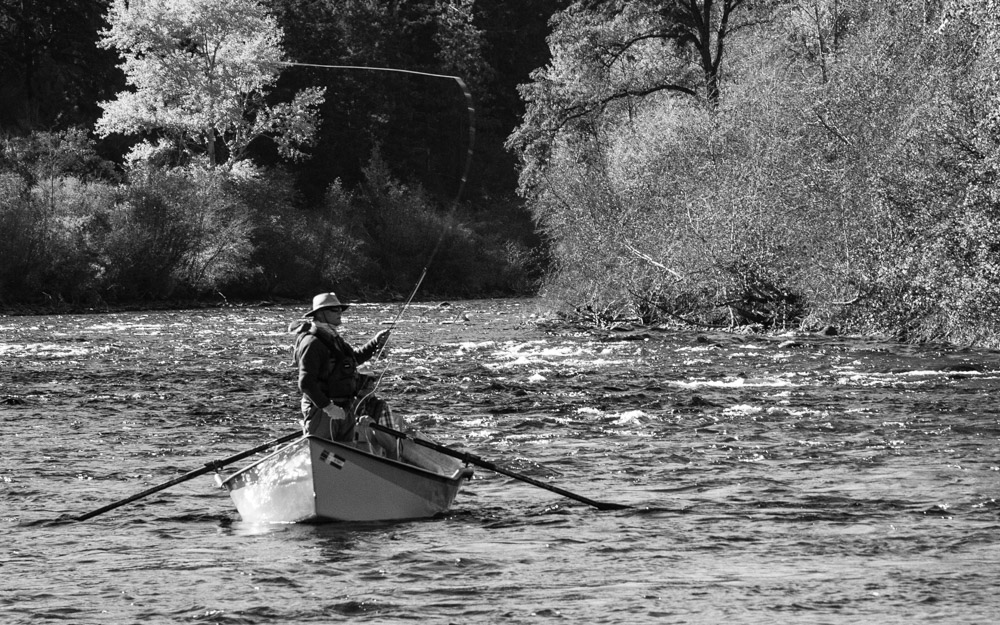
{"type": "Point", "coordinates": [314, 479]}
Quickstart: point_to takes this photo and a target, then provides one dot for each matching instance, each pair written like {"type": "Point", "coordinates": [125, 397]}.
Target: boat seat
{"type": "Point", "coordinates": [436, 462]}
{"type": "Point", "coordinates": [387, 445]}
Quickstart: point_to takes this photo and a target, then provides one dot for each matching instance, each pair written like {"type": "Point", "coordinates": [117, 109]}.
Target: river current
{"type": "Point", "coordinates": [781, 479]}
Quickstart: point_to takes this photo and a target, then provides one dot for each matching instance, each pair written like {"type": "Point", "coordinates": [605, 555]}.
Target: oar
{"type": "Point", "coordinates": [486, 464]}
{"type": "Point", "coordinates": [211, 466]}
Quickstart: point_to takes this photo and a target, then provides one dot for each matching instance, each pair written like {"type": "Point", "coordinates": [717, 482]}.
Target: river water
{"type": "Point", "coordinates": [794, 479]}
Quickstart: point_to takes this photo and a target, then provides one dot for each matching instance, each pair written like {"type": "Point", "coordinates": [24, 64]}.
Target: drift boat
{"type": "Point", "coordinates": [314, 479]}
{"type": "Point", "coordinates": [386, 474]}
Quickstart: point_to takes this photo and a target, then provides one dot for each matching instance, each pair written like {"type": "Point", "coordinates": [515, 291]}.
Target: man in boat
{"type": "Point", "coordinates": [333, 391]}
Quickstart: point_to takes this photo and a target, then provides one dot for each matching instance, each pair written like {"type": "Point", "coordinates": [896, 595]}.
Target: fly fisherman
{"type": "Point", "coordinates": [328, 371]}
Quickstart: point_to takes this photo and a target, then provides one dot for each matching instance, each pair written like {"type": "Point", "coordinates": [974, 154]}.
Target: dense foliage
{"type": "Point", "coordinates": [198, 75]}
{"type": "Point", "coordinates": [841, 169]}
{"type": "Point", "coordinates": [770, 162]}
{"type": "Point", "coordinates": [163, 150]}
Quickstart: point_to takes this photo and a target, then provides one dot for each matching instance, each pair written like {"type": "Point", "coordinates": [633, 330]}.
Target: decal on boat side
{"type": "Point", "coordinates": [332, 459]}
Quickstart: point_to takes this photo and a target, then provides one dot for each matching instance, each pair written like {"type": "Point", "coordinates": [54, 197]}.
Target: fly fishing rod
{"type": "Point", "coordinates": [458, 195]}
{"type": "Point", "coordinates": [465, 174]}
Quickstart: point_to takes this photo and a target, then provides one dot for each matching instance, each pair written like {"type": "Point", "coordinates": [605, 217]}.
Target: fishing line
{"type": "Point", "coordinates": [458, 195]}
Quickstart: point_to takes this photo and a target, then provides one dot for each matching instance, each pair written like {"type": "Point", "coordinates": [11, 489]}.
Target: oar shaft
{"type": "Point", "coordinates": [486, 464]}
{"type": "Point", "coordinates": [555, 489]}
{"type": "Point", "coordinates": [150, 491]}
{"type": "Point", "coordinates": [211, 466]}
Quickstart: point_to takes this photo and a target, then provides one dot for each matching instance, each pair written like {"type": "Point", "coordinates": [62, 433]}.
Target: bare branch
{"type": "Point", "coordinates": [832, 129]}
{"type": "Point", "coordinates": [623, 47]}
{"type": "Point", "coordinates": [649, 260]}
{"type": "Point", "coordinates": [582, 110]}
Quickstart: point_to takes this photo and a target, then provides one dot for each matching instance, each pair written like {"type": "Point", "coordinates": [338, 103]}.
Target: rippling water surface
{"type": "Point", "coordinates": [771, 479]}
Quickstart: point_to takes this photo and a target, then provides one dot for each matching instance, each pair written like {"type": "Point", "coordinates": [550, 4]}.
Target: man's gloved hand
{"type": "Point", "coordinates": [335, 412]}
{"type": "Point", "coordinates": [382, 338]}
{"type": "Point", "coordinates": [341, 425]}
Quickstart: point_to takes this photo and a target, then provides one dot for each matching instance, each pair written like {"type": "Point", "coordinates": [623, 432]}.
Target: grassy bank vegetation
{"type": "Point", "coordinates": [810, 163]}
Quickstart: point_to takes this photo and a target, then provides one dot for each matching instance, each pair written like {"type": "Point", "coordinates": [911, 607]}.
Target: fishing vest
{"type": "Point", "coordinates": [339, 379]}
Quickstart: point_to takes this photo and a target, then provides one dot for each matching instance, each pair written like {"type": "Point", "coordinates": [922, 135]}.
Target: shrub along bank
{"type": "Point", "coordinates": [76, 234]}
{"type": "Point", "coordinates": [836, 165]}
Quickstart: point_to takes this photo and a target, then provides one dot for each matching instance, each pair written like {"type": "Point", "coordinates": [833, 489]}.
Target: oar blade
{"type": "Point", "coordinates": [602, 505]}
{"type": "Point", "coordinates": [486, 464]}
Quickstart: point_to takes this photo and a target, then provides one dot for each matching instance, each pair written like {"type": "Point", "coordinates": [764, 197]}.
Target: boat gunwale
{"type": "Point", "coordinates": [411, 468]}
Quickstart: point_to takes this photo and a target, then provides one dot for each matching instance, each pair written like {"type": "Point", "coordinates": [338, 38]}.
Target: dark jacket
{"type": "Point", "coordinates": [328, 365]}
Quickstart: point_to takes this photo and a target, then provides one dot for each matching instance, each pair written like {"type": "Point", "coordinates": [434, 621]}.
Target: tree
{"type": "Point", "coordinates": [51, 72]}
{"type": "Point", "coordinates": [977, 22]}
{"type": "Point", "coordinates": [417, 123]}
{"type": "Point", "coordinates": [817, 30]}
{"type": "Point", "coordinates": [199, 72]}
{"type": "Point", "coordinates": [616, 52]}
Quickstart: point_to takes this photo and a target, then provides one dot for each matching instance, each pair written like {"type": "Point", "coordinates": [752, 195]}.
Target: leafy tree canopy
{"type": "Point", "coordinates": [199, 72]}
{"type": "Point", "coordinates": [609, 52]}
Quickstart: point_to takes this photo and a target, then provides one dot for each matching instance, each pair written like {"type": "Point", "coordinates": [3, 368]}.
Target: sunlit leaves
{"type": "Point", "coordinates": [199, 72]}
{"type": "Point", "coordinates": [852, 165]}
{"type": "Point", "coordinates": [610, 57]}
{"type": "Point", "coordinates": [460, 42]}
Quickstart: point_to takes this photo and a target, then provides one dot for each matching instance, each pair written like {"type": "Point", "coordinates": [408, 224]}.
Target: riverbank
{"type": "Point", "coordinates": [27, 310]}
{"type": "Point", "coordinates": [548, 317]}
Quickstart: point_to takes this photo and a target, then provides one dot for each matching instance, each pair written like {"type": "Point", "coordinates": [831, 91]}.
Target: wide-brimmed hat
{"type": "Point", "coordinates": [325, 300]}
